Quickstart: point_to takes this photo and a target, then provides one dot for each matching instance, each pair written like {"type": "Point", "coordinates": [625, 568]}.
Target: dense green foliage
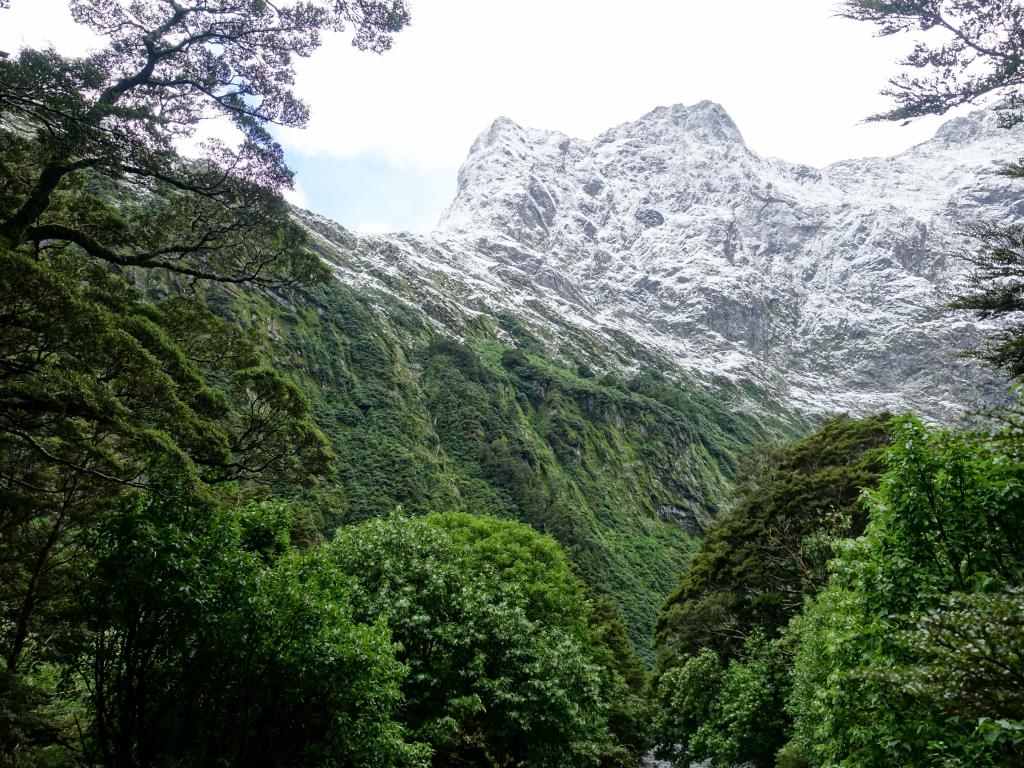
{"type": "Point", "coordinates": [723, 669]}
{"type": "Point", "coordinates": [98, 388]}
{"type": "Point", "coordinates": [199, 635]}
{"type": "Point", "coordinates": [210, 640]}
{"type": "Point", "coordinates": [204, 636]}
{"type": "Point", "coordinates": [505, 665]}
{"type": "Point", "coordinates": [908, 655]}
{"type": "Point", "coordinates": [912, 652]}
{"type": "Point", "coordinates": [758, 562]}
{"type": "Point", "coordinates": [729, 711]}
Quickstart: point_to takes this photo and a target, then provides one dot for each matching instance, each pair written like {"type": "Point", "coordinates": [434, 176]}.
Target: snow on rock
{"type": "Point", "coordinates": [823, 286]}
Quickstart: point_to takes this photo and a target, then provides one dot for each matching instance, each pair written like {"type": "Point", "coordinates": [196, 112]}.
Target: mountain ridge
{"type": "Point", "coordinates": [820, 286]}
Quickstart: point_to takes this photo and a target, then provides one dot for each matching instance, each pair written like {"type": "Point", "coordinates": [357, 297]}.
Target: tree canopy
{"type": "Point", "coordinates": [724, 662]}
{"type": "Point", "coordinates": [89, 148]}
{"type": "Point", "coordinates": [760, 561]}
{"type": "Point", "coordinates": [101, 386]}
{"type": "Point", "coordinates": [912, 652]}
{"type": "Point", "coordinates": [109, 394]}
{"type": "Point", "coordinates": [508, 660]}
{"type": "Point", "coordinates": [969, 50]}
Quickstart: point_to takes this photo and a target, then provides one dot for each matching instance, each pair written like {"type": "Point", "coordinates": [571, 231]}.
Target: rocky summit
{"type": "Point", "coordinates": [668, 241]}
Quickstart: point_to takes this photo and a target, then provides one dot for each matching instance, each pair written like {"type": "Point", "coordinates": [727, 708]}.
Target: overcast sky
{"type": "Point", "coordinates": [388, 133]}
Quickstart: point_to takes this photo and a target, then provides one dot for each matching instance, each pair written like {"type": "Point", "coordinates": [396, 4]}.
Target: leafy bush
{"type": "Point", "coordinates": [728, 712]}
{"type": "Point", "coordinates": [896, 658]}
{"type": "Point", "coordinates": [495, 628]}
{"type": "Point", "coordinates": [208, 640]}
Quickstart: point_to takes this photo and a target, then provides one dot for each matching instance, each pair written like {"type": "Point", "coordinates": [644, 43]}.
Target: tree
{"type": "Point", "coordinates": [98, 390]}
{"type": "Point", "coordinates": [969, 663]}
{"type": "Point", "coordinates": [723, 671]}
{"type": "Point", "coordinates": [210, 641]}
{"type": "Point", "coordinates": [88, 157]}
{"type": "Point", "coordinates": [760, 561]}
{"type": "Point", "coordinates": [506, 663]}
{"type": "Point", "coordinates": [730, 713]}
{"type": "Point", "coordinates": [997, 291]}
{"type": "Point", "coordinates": [103, 389]}
{"type": "Point", "coordinates": [910, 656]}
{"type": "Point", "coordinates": [974, 50]}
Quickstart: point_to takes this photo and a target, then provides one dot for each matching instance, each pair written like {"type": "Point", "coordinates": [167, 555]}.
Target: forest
{"type": "Point", "coordinates": [253, 516]}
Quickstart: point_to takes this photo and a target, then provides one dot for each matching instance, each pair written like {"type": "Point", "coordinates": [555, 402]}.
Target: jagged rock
{"type": "Point", "coordinates": [821, 286]}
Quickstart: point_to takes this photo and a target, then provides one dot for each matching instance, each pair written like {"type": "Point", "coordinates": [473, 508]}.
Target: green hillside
{"type": "Point", "coordinates": [622, 471]}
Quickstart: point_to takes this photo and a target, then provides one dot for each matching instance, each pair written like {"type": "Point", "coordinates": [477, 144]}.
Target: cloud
{"type": "Point", "coordinates": [297, 196]}
{"type": "Point", "coordinates": [42, 23]}
{"type": "Point", "coordinates": [797, 80]}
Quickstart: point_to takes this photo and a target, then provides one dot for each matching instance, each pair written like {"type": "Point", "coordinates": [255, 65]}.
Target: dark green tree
{"type": "Point", "coordinates": [731, 712]}
{"type": "Point", "coordinates": [997, 291]}
{"type": "Point", "coordinates": [760, 561]}
{"type": "Point", "coordinates": [974, 49]}
{"type": "Point", "coordinates": [723, 669]}
{"type": "Point", "coordinates": [101, 388]}
{"type": "Point", "coordinates": [95, 384]}
{"type": "Point", "coordinates": [98, 387]}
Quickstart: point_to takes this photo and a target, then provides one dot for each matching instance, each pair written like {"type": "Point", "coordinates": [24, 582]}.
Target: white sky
{"type": "Point", "coordinates": [797, 81]}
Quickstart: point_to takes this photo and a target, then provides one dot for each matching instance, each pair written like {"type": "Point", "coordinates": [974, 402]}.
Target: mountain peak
{"type": "Point", "coordinates": [823, 284]}
{"type": "Point", "coordinates": [507, 137]}
{"type": "Point", "coordinates": [706, 121]}
{"type": "Point", "coordinates": [702, 107]}
{"type": "Point", "coordinates": [501, 125]}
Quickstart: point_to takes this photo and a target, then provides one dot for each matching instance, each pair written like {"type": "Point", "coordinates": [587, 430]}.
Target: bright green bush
{"type": "Point", "coordinates": [495, 629]}
{"type": "Point", "coordinates": [896, 660]}
{"type": "Point", "coordinates": [728, 712]}
{"type": "Point", "coordinates": [209, 641]}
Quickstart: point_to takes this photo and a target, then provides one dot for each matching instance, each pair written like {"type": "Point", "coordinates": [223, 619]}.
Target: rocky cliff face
{"type": "Point", "coordinates": [669, 240]}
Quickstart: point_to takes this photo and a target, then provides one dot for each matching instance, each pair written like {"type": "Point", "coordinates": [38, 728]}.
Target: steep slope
{"type": "Point", "coordinates": [623, 471]}
{"type": "Point", "coordinates": [668, 238]}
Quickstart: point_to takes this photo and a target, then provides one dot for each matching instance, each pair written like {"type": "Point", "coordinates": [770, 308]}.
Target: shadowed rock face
{"type": "Point", "coordinates": [820, 285]}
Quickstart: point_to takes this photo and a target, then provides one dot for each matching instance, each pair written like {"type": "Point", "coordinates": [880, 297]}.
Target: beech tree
{"type": "Point", "coordinates": [972, 50]}
{"type": "Point", "coordinates": [103, 389]}
{"type": "Point", "coordinates": [89, 152]}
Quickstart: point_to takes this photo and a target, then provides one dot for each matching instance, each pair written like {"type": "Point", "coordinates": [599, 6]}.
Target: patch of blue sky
{"type": "Point", "coordinates": [367, 193]}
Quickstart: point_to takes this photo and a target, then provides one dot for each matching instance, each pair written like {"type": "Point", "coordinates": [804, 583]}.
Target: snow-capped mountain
{"type": "Point", "coordinates": [669, 235]}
